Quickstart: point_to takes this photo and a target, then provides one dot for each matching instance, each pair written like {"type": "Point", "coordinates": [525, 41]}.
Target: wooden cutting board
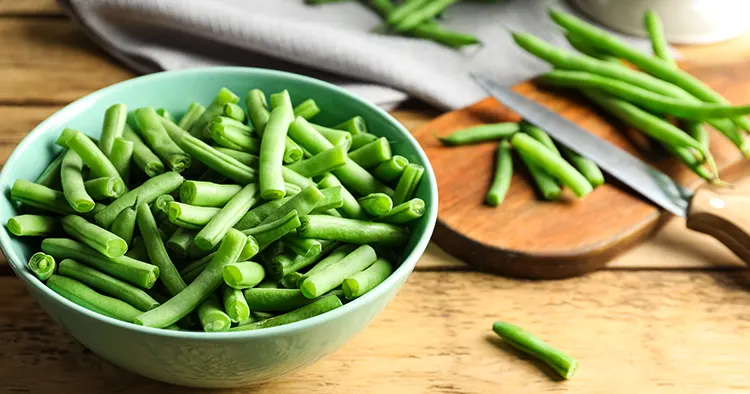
{"type": "Point", "coordinates": [530, 238]}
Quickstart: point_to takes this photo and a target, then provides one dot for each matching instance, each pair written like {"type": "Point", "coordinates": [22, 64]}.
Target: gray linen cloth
{"type": "Point", "coordinates": [334, 42]}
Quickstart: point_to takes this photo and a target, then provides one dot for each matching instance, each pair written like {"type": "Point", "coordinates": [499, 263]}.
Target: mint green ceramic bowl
{"type": "Point", "coordinates": [197, 358]}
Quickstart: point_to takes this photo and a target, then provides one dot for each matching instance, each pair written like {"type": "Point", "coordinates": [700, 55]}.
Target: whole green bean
{"type": "Point", "coordinates": [85, 297]}
{"type": "Point", "coordinates": [100, 188]}
{"type": "Point", "coordinates": [405, 212]}
{"type": "Point", "coordinates": [114, 124]}
{"type": "Point", "coordinates": [364, 281]}
{"type": "Point", "coordinates": [256, 215]}
{"type": "Point", "coordinates": [352, 230]}
{"type": "Point", "coordinates": [234, 111]}
{"type": "Point", "coordinates": [527, 343]}
{"type": "Point", "coordinates": [408, 183]}
{"type": "Point", "coordinates": [547, 185]}
{"type": "Point", "coordinates": [398, 14]}
{"type": "Point", "coordinates": [303, 203]}
{"type": "Point", "coordinates": [32, 225]}
{"type": "Point", "coordinates": [656, 67]}
{"type": "Point", "coordinates": [551, 163]}
{"type": "Point", "coordinates": [391, 169]}
{"type": "Point", "coordinates": [318, 307]}
{"type": "Point", "coordinates": [331, 277]}
{"type": "Point", "coordinates": [216, 108]}
{"type": "Point", "coordinates": [307, 109]}
{"type": "Point", "coordinates": [359, 140]}
{"type": "Point", "coordinates": [333, 258]}
{"type": "Point", "coordinates": [193, 113]}
{"type": "Point", "coordinates": [588, 168]}
{"type": "Point", "coordinates": [143, 157]}
{"type": "Point", "coordinates": [539, 135]}
{"type": "Point", "coordinates": [333, 199]}
{"type": "Point", "coordinates": [304, 247]}
{"type": "Point", "coordinates": [321, 163]}
{"type": "Point", "coordinates": [124, 225]}
{"type": "Point", "coordinates": [257, 109]}
{"type": "Point", "coordinates": [121, 155]}
{"type": "Point", "coordinates": [212, 316]}
{"type": "Point", "coordinates": [243, 275]}
{"type": "Point", "coordinates": [481, 133]}
{"type": "Point", "coordinates": [41, 197]}
{"type": "Point", "coordinates": [655, 30]}
{"type": "Point", "coordinates": [583, 46]}
{"type": "Point", "coordinates": [42, 265]}
{"type": "Point", "coordinates": [92, 157]}
{"type": "Point", "coordinates": [157, 253]}
{"type": "Point", "coordinates": [423, 14]}
{"type": "Point", "coordinates": [283, 264]}
{"type": "Point", "coordinates": [235, 304]}
{"type": "Point", "coordinates": [376, 204]}
{"type": "Point", "coordinates": [71, 178]}
{"type": "Point", "coordinates": [372, 154]}
{"type": "Point", "coordinates": [159, 141]}
{"type": "Point", "coordinates": [107, 284]}
{"type": "Point", "coordinates": [94, 236]}
{"type": "Point", "coordinates": [199, 289]}
{"type": "Point", "coordinates": [227, 217]}
{"type": "Point", "coordinates": [272, 148]}
{"type": "Point", "coordinates": [207, 194]}
{"type": "Point", "coordinates": [50, 177]}
{"type": "Point", "coordinates": [190, 216]}
{"type": "Point", "coordinates": [145, 193]}
{"type": "Point", "coordinates": [180, 241]}
{"type": "Point", "coordinates": [337, 137]}
{"type": "Point", "coordinates": [350, 207]}
{"type": "Point", "coordinates": [503, 175]}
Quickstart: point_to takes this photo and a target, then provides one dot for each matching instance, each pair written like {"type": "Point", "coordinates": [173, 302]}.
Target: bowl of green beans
{"type": "Point", "coordinates": [216, 227]}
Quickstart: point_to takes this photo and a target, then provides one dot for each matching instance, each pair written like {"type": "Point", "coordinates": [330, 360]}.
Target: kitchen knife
{"type": "Point", "coordinates": [722, 212]}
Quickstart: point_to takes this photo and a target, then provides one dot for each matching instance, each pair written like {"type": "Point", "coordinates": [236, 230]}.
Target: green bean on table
{"type": "Point", "coordinates": [364, 281]}
{"type": "Point", "coordinates": [352, 230]}
{"type": "Point", "coordinates": [145, 193]}
{"type": "Point", "coordinates": [157, 252]}
{"type": "Point", "coordinates": [193, 113]}
{"type": "Point", "coordinates": [527, 343]}
{"type": "Point", "coordinates": [42, 265]}
{"type": "Point", "coordinates": [33, 225]}
{"type": "Point", "coordinates": [243, 275]}
{"type": "Point", "coordinates": [114, 124]}
{"type": "Point", "coordinates": [503, 174]}
{"type": "Point", "coordinates": [124, 225]}
{"type": "Point", "coordinates": [84, 296]}
{"type": "Point", "coordinates": [318, 307]}
{"type": "Point", "coordinates": [331, 277]}
{"type": "Point", "coordinates": [143, 157]}
{"type": "Point", "coordinates": [95, 237]}
{"type": "Point", "coordinates": [120, 156]}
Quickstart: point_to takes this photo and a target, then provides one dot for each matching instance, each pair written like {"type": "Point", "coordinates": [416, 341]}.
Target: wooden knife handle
{"type": "Point", "coordinates": [723, 212]}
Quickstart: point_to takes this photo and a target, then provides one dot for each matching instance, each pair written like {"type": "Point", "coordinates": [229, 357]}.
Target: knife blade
{"type": "Point", "coordinates": [641, 177]}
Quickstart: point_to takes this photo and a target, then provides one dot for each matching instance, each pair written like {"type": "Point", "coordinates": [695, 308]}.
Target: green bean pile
{"type": "Point", "coordinates": [228, 219]}
{"type": "Point", "coordinates": [416, 18]}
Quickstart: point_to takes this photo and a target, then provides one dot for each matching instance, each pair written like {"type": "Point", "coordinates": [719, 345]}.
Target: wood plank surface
{"type": "Point", "coordinates": [632, 332]}
{"type": "Point", "coordinates": [38, 8]}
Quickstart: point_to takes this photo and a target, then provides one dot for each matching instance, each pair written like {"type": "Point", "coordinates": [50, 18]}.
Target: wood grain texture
{"type": "Point", "coordinates": [632, 332]}
{"type": "Point", "coordinates": [29, 8]}
{"type": "Point", "coordinates": [528, 237]}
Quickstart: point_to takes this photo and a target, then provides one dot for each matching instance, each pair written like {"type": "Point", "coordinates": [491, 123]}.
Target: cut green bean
{"type": "Point", "coordinates": [71, 178]}
{"type": "Point", "coordinates": [292, 152]}
{"type": "Point", "coordinates": [355, 125]}
{"type": "Point", "coordinates": [307, 109]}
{"type": "Point", "coordinates": [376, 204]}
{"type": "Point", "coordinates": [143, 157]}
{"type": "Point", "coordinates": [158, 140]}
{"type": "Point", "coordinates": [256, 215]}
{"type": "Point", "coordinates": [41, 197]}
{"type": "Point", "coordinates": [137, 249]}
{"type": "Point", "coordinates": [32, 226]}
{"type": "Point", "coordinates": [503, 175]}
{"type": "Point", "coordinates": [216, 108]}
{"type": "Point", "coordinates": [217, 161]}
{"type": "Point", "coordinates": [165, 114]}
{"type": "Point", "coordinates": [227, 217]}
{"type": "Point", "coordinates": [289, 281]}
{"type": "Point", "coordinates": [294, 181]}
{"type": "Point", "coordinates": [337, 137]}
{"type": "Point", "coordinates": [655, 30]}
{"type": "Point", "coordinates": [243, 275]}
{"type": "Point", "coordinates": [350, 207]}
{"type": "Point", "coordinates": [189, 216]}
{"type": "Point", "coordinates": [527, 343]}
{"type": "Point", "coordinates": [405, 212]}
{"type": "Point", "coordinates": [318, 307]}
{"type": "Point", "coordinates": [193, 113]}
{"type": "Point", "coordinates": [352, 231]}
{"type": "Point", "coordinates": [94, 236]}
{"type": "Point", "coordinates": [303, 203]}
{"type": "Point", "coordinates": [321, 163]}
{"type": "Point", "coordinates": [482, 133]}
{"type": "Point", "coordinates": [114, 124]}
{"type": "Point", "coordinates": [257, 109]}
{"type": "Point", "coordinates": [234, 111]}
{"type": "Point", "coordinates": [100, 188]}
{"type": "Point", "coordinates": [145, 193]}
{"type": "Point", "coordinates": [364, 281]}
{"type": "Point", "coordinates": [50, 177]}
{"type": "Point", "coordinates": [284, 264]}
{"type": "Point", "coordinates": [235, 304]}
{"type": "Point", "coordinates": [333, 258]}
{"type": "Point", "coordinates": [551, 163]}
{"type": "Point", "coordinates": [179, 242]}
{"type": "Point", "coordinates": [304, 247]}
{"type": "Point", "coordinates": [212, 316]}
{"type": "Point", "coordinates": [408, 183]}
{"type": "Point", "coordinates": [275, 300]}
{"type": "Point", "coordinates": [121, 155]}
{"type": "Point", "coordinates": [107, 284]}
{"type": "Point", "coordinates": [251, 249]}
{"type": "Point", "coordinates": [192, 270]}
{"type": "Point", "coordinates": [92, 157]}
{"type": "Point", "coordinates": [391, 169]}
{"type": "Point", "coordinates": [157, 253]}
{"type": "Point", "coordinates": [130, 270]}
{"type": "Point", "coordinates": [85, 297]}
{"type": "Point", "coordinates": [272, 148]}
{"type": "Point", "coordinates": [124, 225]}
{"type": "Point", "coordinates": [333, 199]}
{"type": "Point", "coordinates": [207, 194]}
{"type": "Point", "coordinates": [360, 140]}
{"type": "Point", "coordinates": [423, 14]}
{"type": "Point", "coordinates": [588, 168]}
{"type": "Point", "coordinates": [199, 289]}
{"type": "Point", "coordinates": [331, 277]}
{"type": "Point", "coordinates": [234, 138]}
{"type": "Point", "coordinates": [42, 265]}
{"type": "Point", "coordinates": [539, 135]}
{"type": "Point", "coordinates": [372, 154]}
{"type": "Point", "coordinates": [267, 233]}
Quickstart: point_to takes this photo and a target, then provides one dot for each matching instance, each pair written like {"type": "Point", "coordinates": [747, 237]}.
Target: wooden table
{"type": "Point", "coordinates": [658, 320]}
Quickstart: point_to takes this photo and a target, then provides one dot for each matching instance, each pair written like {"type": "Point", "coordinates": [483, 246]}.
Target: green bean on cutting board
{"type": "Point", "coordinates": [503, 174]}
{"type": "Point", "coordinates": [527, 343]}
{"type": "Point", "coordinates": [655, 30]}
{"type": "Point", "coordinates": [482, 133]}
{"type": "Point", "coordinates": [208, 249]}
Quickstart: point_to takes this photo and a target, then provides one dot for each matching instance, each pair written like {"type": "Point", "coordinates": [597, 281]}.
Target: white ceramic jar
{"type": "Point", "coordinates": [685, 21]}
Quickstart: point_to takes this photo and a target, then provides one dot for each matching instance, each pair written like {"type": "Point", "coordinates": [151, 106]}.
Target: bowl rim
{"type": "Point", "coordinates": [404, 270]}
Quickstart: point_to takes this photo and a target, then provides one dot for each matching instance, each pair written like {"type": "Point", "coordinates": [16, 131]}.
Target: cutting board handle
{"type": "Point", "coordinates": [723, 212]}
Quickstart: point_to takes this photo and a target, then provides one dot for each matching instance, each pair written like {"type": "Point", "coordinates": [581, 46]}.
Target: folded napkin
{"type": "Point", "coordinates": [334, 42]}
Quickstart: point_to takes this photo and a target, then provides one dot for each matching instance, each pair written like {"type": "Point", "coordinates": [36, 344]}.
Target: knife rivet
{"type": "Point", "coordinates": [716, 203]}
